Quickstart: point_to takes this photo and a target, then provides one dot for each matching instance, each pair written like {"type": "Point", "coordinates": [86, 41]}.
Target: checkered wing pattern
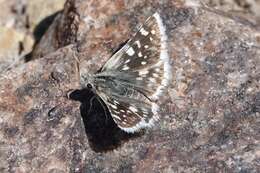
{"type": "Point", "coordinates": [136, 76]}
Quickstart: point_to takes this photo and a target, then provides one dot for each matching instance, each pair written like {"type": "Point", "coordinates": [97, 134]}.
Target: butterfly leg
{"type": "Point", "coordinates": [90, 104]}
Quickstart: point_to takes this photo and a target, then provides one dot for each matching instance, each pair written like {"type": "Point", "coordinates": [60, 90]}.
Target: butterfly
{"type": "Point", "coordinates": [133, 80]}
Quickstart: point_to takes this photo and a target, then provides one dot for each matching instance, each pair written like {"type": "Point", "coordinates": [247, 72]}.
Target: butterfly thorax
{"type": "Point", "coordinates": [86, 80]}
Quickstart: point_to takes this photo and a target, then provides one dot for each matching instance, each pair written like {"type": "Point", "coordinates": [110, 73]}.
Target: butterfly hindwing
{"type": "Point", "coordinates": [131, 114]}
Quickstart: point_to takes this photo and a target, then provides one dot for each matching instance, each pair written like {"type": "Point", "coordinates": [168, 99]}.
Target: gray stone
{"type": "Point", "coordinates": [21, 23]}
{"type": "Point", "coordinates": [210, 115]}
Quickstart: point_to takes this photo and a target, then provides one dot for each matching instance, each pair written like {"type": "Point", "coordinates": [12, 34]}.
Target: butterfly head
{"type": "Point", "coordinates": [86, 81]}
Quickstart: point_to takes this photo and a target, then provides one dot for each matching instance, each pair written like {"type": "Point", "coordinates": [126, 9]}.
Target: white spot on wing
{"type": "Point", "coordinates": [152, 80]}
{"type": "Point", "coordinates": [133, 109]}
{"type": "Point", "coordinates": [113, 106]}
{"type": "Point", "coordinates": [143, 72]}
{"type": "Point", "coordinates": [130, 51]}
{"type": "Point", "coordinates": [138, 43]}
{"type": "Point", "coordinates": [143, 62]}
{"type": "Point", "coordinates": [145, 111]}
{"type": "Point", "coordinates": [115, 111]}
{"type": "Point", "coordinates": [125, 67]}
{"type": "Point", "coordinates": [127, 61]}
{"type": "Point", "coordinates": [144, 32]}
{"type": "Point", "coordinates": [116, 102]}
{"type": "Point", "coordinates": [115, 116]}
{"type": "Point", "coordinates": [155, 75]}
{"type": "Point", "coordinates": [140, 54]}
{"type": "Point", "coordinates": [157, 69]}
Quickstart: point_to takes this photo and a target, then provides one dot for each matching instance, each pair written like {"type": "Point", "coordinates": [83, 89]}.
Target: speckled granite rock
{"type": "Point", "coordinates": [22, 22]}
{"type": "Point", "coordinates": [210, 120]}
{"type": "Point", "coordinates": [240, 6]}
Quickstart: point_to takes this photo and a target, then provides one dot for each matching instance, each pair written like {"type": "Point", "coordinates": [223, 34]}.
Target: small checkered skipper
{"type": "Point", "coordinates": [132, 81]}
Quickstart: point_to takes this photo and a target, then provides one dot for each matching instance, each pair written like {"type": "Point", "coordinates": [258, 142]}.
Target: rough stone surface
{"type": "Point", "coordinates": [22, 22]}
{"type": "Point", "coordinates": [10, 46]}
{"type": "Point", "coordinates": [237, 6]}
{"type": "Point", "coordinates": [210, 119]}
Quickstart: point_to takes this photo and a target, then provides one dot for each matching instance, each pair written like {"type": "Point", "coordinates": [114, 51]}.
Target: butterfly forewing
{"type": "Point", "coordinates": [140, 68]}
{"type": "Point", "coordinates": [140, 51]}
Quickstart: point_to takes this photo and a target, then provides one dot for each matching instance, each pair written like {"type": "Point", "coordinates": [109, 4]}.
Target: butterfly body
{"type": "Point", "coordinates": [135, 77]}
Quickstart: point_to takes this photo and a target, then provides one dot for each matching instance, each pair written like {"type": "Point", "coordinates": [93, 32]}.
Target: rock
{"type": "Point", "coordinates": [210, 118]}
{"type": "Point", "coordinates": [244, 8]}
{"type": "Point", "coordinates": [37, 128]}
{"type": "Point", "coordinates": [38, 10]}
{"type": "Point", "coordinates": [6, 15]}
{"type": "Point", "coordinates": [241, 6]}
{"type": "Point", "coordinates": [19, 27]}
{"type": "Point", "coordinates": [13, 46]}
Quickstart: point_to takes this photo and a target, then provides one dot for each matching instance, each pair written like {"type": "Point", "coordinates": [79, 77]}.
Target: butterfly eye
{"type": "Point", "coordinates": [89, 86]}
